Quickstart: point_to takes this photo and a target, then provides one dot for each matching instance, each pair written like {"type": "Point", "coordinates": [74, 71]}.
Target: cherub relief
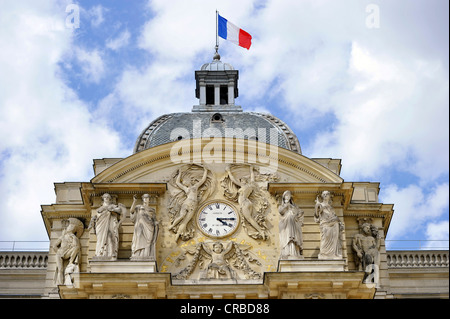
{"type": "Point", "coordinates": [252, 201]}
{"type": "Point", "coordinates": [223, 261]}
{"type": "Point", "coordinates": [192, 184]}
{"type": "Point", "coordinates": [218, 267]}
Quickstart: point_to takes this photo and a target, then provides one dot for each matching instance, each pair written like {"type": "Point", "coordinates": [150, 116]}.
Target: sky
{"type": "Point", "coordinates": [363, 81]}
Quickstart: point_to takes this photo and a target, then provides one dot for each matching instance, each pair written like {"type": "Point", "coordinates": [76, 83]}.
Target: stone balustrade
{"type": "Point", "coordinates": [395, 259]}
{"type": "Point", "coordinates": [23, 260]}
{"type": "Point", "coordinates": [417, 258]}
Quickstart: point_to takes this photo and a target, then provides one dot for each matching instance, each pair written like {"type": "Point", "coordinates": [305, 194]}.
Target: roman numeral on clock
{"type": "Point", "coordinates": [217, 220]}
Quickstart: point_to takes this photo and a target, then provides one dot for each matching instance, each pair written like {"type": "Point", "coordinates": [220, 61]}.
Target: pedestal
{"type": "Point", "coordinates": [315, 265]}
{"type": "Point", "coordinates": [123, 266]}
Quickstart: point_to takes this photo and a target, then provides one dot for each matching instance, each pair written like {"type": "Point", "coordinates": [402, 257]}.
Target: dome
{"type": "Point", "coordinates": [247, 125]}
{"type": "Point", "coordinates": [216, 65]}
{"type": "Point", "coordinates": [217, 115]}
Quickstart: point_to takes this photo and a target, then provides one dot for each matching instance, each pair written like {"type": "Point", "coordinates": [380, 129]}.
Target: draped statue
{"type": "Point", "coordinates": [330, 228]}
{"type": "Point", "coordinates": [145, 229]}
{"type": "Point", "coordinates": [106, 225]}
{"type": "Point", "coordinates": [290, 226]}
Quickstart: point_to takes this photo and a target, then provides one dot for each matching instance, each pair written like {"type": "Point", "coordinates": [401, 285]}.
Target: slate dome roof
{"type": "Point", "coordinates": [247, 125]}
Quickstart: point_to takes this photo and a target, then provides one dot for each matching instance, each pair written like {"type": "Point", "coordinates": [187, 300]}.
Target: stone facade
{"type": "Point", "coordinates": [412, 274]}
{"type": "Point", "coordinates": [206, 214]}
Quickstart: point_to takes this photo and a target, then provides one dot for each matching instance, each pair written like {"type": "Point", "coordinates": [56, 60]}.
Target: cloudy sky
{"type": "Point", "coordinates": [363, 81]}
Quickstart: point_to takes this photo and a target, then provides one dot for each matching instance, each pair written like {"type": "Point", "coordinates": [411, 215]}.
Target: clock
{"type": "Point", "coordinates": [217, 220]}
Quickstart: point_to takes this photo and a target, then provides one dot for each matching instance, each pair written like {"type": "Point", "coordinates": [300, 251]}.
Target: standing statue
{"type": "Point", "coordinates": [192, 184]}
{"type": "Point", "coordinates": [290, 226]}
{"type": "Point", "coordinates": [330, 228]}
{"type": "Point", "coordinates": [252, 202]}
{"type": "Point", "coordinates": [67, 247]}
{"type": "Point", "coordinates": [366, 246]}
{"type": "Point", "coordinates": [145, 229]}
{"type": "Point", "coordinates": [106, 225]}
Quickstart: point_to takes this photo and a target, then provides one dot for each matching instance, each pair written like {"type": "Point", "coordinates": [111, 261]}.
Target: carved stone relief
{"type": "Point", "coordinates": [218, 260]}
{"type": "Point", "coordinates": [243, 187]}
{"type": "Point", "coordinates": [330, 228]}
{"type": "Point", "coordinates": [106, 223]}
{"type": "Point", "coordinates": [366, 246]}
{"type": "Point", "coordinates": [146, 229]}
{"type": "Point", "coordinates": [67, 248]}
{"type": "Point", "coordinates": [191, 185]}
{"type": "Point", "coordinates": [290, 227]}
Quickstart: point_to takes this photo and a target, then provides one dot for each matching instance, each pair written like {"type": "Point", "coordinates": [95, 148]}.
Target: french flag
{"type": "Point", "coordinates": [230, 32]}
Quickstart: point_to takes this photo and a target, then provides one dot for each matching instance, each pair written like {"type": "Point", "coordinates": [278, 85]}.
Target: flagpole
{"type": "Point", "coordinates": [217, 32]}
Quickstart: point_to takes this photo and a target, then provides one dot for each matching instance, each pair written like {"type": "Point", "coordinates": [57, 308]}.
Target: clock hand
{"type": "Point", "coordinates": [221, 220]}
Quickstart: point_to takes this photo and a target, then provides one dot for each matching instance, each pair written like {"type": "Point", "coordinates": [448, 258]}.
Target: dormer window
{"type": "Point", "coordinates": [217, 118]}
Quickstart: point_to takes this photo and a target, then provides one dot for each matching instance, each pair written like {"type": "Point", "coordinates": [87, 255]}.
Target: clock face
{"type": "Point", "coordinates": [217, 220]}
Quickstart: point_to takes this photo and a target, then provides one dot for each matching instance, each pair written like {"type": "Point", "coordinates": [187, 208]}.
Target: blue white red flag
{"type": "Point", "coordinates": [230, 32]}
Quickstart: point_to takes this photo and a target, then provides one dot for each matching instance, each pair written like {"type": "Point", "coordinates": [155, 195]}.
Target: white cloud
{"type": "Point", "coordinates": [302, 47]}
{"type": "Point", "coordinates": [121, 41]}
{"type": "Point", "coordinates": [51, 137]}
{"type": "Point", "coordinates": [385, 89]}
{"type": "Point", "coordinates": [391, 118]}
{"type": "Point", "coordinates": [437, 235]}
{"type": "Point", "coordinates": [414, 209]}
{"type": "Point", "coordinates": [175, 37]}
{"type": "Point", "coordinates": [182, 29]}
{"type": "Point", "coordinates": [141, 95]}
{"type": "Point", "coordinates": [91, 63]}
{"type": "Point", "coordinates": [384, 101]}
{"type": "Point", "coordinates": [96, 15]}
